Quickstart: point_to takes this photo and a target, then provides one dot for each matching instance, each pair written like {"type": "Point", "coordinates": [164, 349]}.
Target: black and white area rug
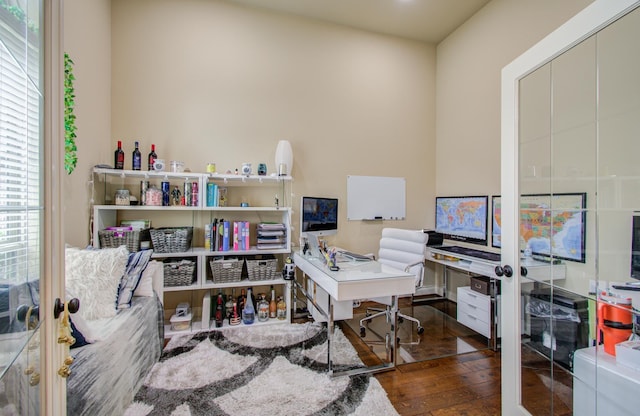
{"type": "Point", "coordinates": [267, 370]}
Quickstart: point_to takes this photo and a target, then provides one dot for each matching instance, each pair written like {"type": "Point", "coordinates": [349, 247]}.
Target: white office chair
{"type": "Point", "coordinates": [402, 250]}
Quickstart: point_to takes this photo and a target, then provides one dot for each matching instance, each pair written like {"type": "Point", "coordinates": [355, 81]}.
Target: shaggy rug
{"type": "Point", "coordinates": [267, 370]}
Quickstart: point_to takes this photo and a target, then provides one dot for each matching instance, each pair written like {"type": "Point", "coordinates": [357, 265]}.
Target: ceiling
{"type": "Point", "coordinates": [424, 20]}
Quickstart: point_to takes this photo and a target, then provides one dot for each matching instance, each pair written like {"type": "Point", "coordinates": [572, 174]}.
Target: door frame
{"type": "Point", "coordinates": [53, 388]}
{"type": "Point", "coordinates": [586, 23]}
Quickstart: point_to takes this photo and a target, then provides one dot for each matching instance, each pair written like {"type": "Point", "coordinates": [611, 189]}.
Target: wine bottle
{"type": "Point", "coordinates": [273, 304]}
{"type": "Point", "coordinates": [219, 310]}
{"type": "Point", "coordinates": [248, 312]}
{"type": "Point", "coordinates": [152, 157]}
{"type": "Point", "coordinates": [234, 319]}
{"type": "Point", "coordinates": [229, 305]}
{"type": "Point", "coordinates": [282, 308]}
{"type": "Point", "coordinates": [263, 309]}
{"type": "Point", "coordinates": [118, 158]}
{"type": "Point", "coordinates": [136, 161]}
{"type": "Point", "coordinates": [241, 300]}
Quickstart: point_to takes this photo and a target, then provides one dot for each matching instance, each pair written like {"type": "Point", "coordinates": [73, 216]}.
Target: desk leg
{"type": "Point", "coordinates": [392, 345]}
{"type": "Point", "coordinates": [330, 329]}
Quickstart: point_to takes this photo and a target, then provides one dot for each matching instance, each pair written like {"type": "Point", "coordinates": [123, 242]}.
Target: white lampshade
{"type": "Point", "coordinates": [284, 155]}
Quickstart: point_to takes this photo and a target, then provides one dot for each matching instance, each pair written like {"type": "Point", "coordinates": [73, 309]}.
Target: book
{"type": "Point", "coordinates": [206, 310]}
{"type": "Point", "coordinates": [225, 235]}
{"type": "Point", "coordinates": [245, 236]}
{"type": "Point", "coordinates": [237, 235]}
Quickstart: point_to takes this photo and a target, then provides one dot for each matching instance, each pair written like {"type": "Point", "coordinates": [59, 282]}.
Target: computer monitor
{"type": "Point", "coordinates": [319, 216]}
{"type": "Point", "coordinates": [462, 218]}
{"type": "Point", "coordinates": [550, 225]}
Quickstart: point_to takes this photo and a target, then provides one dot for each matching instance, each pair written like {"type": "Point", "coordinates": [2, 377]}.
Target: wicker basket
{"type": "Point", "coordinates": [226, 270]}
{"type": "Point", "coordinates": [262, 267]}
{"type": "Point", "coordinates": [179, 273]}
{"type": "Point", "coordinates": [171, 239]}
{"type": "Point", "coordinates": [117, 238]}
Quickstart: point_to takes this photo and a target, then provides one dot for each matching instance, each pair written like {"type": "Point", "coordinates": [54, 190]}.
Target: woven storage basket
{"type": "Point", "coordinates": [179, 273]}
{"type": "Point", "coordinates": [117, 238]}
{"type": "Point", "coordinates": [262, 267]}
{"type": "Point", "coordinates": [226, 270]}
{"type": "Point", "coordinates": [171, 239]}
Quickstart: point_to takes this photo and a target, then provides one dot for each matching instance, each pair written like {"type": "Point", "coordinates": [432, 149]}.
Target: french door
{"type": "Point", "coordinates": [31, 232]}
{"type": "Point", "coordinates": [570, 117]}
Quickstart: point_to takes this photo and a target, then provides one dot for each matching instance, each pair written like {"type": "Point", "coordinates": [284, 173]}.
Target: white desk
{"type": "Point", "coordinates": [354, 280]}
{"type": "Point", "coordinates": [535, 271]}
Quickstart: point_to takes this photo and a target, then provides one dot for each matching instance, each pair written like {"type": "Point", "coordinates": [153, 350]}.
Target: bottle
{"type": "Point", "coordinates": [118, 158]}
{"type": "Point", "coordinates": [263, 309]}
{"type": "Point", "coordinates": [229, 305]}
{"type": "Point", "coordinates": [219, 310]}
{"type": "Point", "coordinates": [273, 304]}
{"type": "Point", "coordinates": [251, 296]}
{"type": "Point", "coordinates": [241, 300]}
{"type": "Point", "coordinates": [152, 157]}
{"type": "Point", "coordinates": [136, 161]}
{"type": "Point", "coordinates": [281, 312]}
{"type": "Point", "coordinates": [234, 319]}
{"type": "Point", "coordinates": [248, 312]}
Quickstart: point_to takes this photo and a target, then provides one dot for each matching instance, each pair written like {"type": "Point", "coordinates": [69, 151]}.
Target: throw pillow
{"type": "Point", "coordinates": [93, 277]}
{"type": "Point", "coordinates": [145, 287]}
{"type": "Point", "coordinates": [138, 262]}
{"type": "Point", "coordinates": [80, 331]}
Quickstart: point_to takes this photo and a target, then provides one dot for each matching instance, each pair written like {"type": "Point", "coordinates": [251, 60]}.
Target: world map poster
{"type": "Point", "coordinates": [550, 225]}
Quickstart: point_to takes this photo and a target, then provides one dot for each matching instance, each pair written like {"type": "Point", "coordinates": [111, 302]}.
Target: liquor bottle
{"type": "Point", "coordinates": [152, 157]}
{"type": "Point", "coordinates": [252, 296]}
{"type": "Point", "coordinates": [273, 304]}
{"type": "Point", "coordinates": [241, 300]}
{"type": "Point", "coordinates": [248, 312]}
{"type": "Point", "coordinates": [234, 319]}
{"type": "Point", "coordinates": [118, 158]}
{"type": "Point", "coordinates": [219, 310]}
{"type": "Point", "coordinates": [229, 305]}
{"type": "Point", "coordinates": [136, 161]}
{"type": "Point", "coordinates": [263, 309]}
{"type": "Point", "coordinates": [282, 308]}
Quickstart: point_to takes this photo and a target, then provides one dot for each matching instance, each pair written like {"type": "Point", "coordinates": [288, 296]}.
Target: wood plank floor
{"type": "Point", "coordinates": [467, 384]}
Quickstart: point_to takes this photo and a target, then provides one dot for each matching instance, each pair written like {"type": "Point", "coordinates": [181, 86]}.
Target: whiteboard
{"type": "Point", "coordinates": [375, 198]}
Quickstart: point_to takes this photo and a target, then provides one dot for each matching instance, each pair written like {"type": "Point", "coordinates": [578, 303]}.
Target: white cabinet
{"type": "Point", "coordinates": [267, 199]}
{"type": "Point", "coordinates": [474, 310]}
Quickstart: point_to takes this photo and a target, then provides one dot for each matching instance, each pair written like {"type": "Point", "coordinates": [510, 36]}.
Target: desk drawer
{"type": "Point", "coordinates": [475, 322]}
{"type": "Point", "coordinates": [478, 300]}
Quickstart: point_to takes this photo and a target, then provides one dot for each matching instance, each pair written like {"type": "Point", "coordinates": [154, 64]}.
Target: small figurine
{"type": "Point", "coordinates": [175, 195]}
{"type": "Point", "coordinates": [289, 271]}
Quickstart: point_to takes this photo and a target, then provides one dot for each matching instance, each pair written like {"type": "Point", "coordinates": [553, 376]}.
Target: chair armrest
{"type": "Point", "coordinates": [408, 267]}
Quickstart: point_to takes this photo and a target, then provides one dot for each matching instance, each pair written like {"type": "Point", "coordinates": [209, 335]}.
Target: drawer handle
{"type": "Point", "coordinates": [472, 306]}
{"type": "Point", "coordinates": [472, 317]}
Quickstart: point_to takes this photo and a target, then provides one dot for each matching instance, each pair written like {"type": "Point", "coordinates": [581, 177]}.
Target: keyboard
{"type": "Point", "coordinates": [353, 256]}
{"type": "Point", "coordinates": [485, 255]}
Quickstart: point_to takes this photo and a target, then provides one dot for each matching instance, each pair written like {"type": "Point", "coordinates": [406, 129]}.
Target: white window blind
{"type": "Point", "coordinates": [20, 145]}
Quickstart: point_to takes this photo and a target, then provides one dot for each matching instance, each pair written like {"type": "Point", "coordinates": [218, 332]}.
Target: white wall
{"type": "Point", "coordinates": [87, 40]}
{"type": "Point", "coordinates": [208, 81]}
{"type": "Point", "coordinates": [469, 64]}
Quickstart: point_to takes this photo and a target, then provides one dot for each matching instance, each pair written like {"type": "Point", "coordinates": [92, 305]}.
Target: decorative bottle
{"type": "Point", "coordinates": [219, 310]}
{"type": "Point", "coordinates": [118, 157]}
{"type": "Point", "coordinates": [248, 312]}
{"type": "Point", "coordinates": [273, 304]}
{"type": "Point", "coordinates": [152, 157]}
{"type": "Point", "coordinates": [263, 309]}
{"type": "Point", "coordinates": [136, 161]}
{"type": "Point", "coordinates": [281, 311]}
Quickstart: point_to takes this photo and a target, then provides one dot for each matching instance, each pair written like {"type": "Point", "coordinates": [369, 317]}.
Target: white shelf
{"type": "Point", "coordinates": [109, 215]}
{"type": "Point", "coordinates": [196, 326]}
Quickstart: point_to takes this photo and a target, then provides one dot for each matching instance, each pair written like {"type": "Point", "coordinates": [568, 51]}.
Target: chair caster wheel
{"type": "Point", "coordinates": [363, 332]}
{"type": "Point", "coordinates": [420, 330]}
{"type": "Point", "coordinates": [400, 319]}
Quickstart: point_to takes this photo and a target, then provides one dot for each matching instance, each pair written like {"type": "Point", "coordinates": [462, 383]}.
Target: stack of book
{"type": "Point", "coordinates": [223, 235]}
{"type": "Point", "coordinates": [271, 235]}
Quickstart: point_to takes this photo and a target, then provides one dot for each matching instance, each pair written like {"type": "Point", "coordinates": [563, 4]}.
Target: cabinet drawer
{"type": "Point", "coordinates": [478, 300]}
{"type": "Point", "coordinates": [475, 322]}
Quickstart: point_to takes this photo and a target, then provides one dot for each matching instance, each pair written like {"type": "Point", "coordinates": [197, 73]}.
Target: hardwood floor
{"type": "Point", "coordinates": [467, 384]}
